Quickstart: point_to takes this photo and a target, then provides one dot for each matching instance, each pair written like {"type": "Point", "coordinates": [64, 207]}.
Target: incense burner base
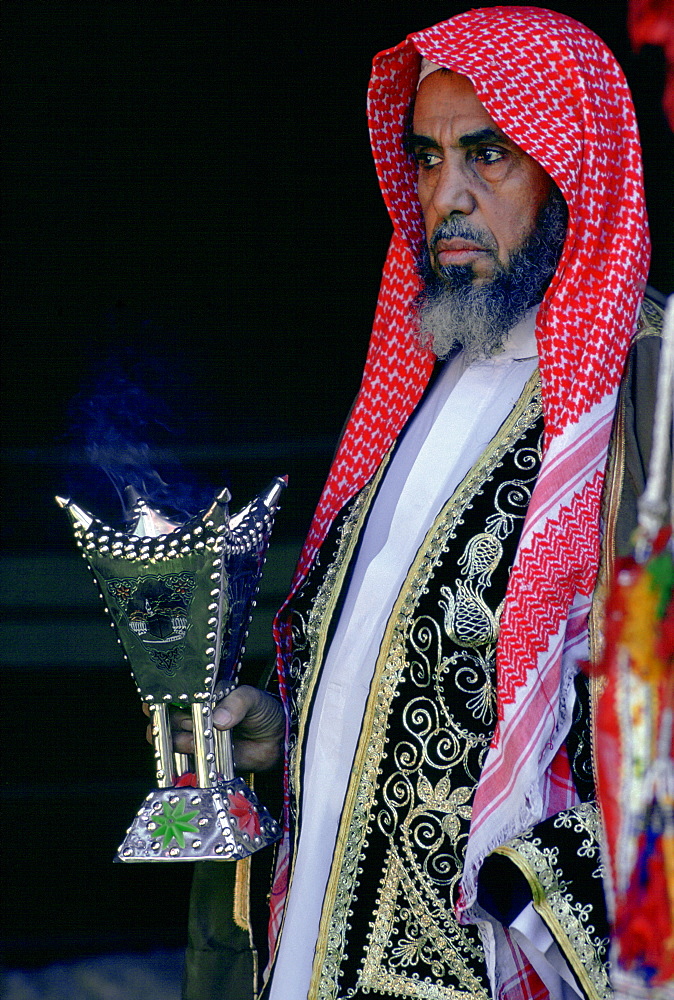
{"type": "Point", "coordinates": [223, 823]}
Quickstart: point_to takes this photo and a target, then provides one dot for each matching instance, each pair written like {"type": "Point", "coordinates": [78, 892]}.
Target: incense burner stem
{"type": "Point", "coordinates": [163, 746]}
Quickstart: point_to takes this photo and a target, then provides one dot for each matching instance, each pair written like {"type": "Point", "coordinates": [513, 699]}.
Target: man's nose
{"type": "Point", "coordinates": [452, 191]}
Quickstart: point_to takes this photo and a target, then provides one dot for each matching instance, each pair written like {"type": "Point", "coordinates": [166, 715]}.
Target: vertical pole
{"type": "Point", "coordinates": [163, 746]}
{"type": "Point", "coordinates": [204, 748]}
{"type": "Point", "coordinates": [223, 753]}
{"type": "Point", "coordinates": [182, 763]}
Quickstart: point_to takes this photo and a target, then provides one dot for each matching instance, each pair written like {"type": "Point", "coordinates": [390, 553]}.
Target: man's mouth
{"type": "Point", "coordinates": [457, 251]}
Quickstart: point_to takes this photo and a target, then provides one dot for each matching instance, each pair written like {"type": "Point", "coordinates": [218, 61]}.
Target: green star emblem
{"type": "Point", "coordinates": [175, 823]}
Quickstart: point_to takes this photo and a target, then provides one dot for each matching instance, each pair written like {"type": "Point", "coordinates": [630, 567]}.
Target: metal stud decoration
{"type": "Point", "coordinates": [181, 599]}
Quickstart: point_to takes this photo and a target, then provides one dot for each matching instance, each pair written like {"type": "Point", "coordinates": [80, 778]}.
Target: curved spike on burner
{"type": "Point", "coordinates": [152, 524]}
{"type": "Point", "coordinates": [223, 497]}
{"type": "Point", "coordinates": [79, 517]}
{"type": "Point", "coordinates": [269, 497]}
{"type": "Point", "coordinates": [144, 520]}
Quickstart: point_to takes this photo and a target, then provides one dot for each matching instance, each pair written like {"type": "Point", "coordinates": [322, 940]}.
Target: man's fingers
{"type": "Point", "coordinates": [182, 741]}
{"type": "Point", "coordinates": [260, 720]}
{"type": "Point", "coordinates": [243, 701]}
{"type": "Point", "coordinates": [181, 729]}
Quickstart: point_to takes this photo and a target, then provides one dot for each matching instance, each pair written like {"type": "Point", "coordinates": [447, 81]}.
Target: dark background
{"type": "Point", "coordinates": [189, 187]}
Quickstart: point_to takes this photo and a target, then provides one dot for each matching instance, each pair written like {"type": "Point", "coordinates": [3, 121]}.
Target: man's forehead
{"type": "Point", "coordinates": [447, 99]}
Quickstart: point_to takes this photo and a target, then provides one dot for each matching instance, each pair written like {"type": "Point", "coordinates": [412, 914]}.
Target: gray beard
{"type": "Point", "coordinates": [453, 313]}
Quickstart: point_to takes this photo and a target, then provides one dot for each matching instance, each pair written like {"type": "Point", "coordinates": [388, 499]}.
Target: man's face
{"type": "Point", "coordinates": [472, 178]}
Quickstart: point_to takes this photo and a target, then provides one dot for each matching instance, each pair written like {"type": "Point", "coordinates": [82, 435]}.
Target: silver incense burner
{"type": "Point", "coordinates": [180, 597]}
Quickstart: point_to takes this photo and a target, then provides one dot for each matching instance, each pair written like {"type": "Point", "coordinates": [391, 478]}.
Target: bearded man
{"type": "Point", "coordinates": [441, 839]}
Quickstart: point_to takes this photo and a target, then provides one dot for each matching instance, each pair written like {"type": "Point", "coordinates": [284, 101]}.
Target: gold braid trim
{"type": "Point", "coordinates": [317, 632]}
{"type": "Point", "coordinates": [322, 611]}
{"type": "Point", "coordinates": [241, 910]}
{"type": "Point", "coordinates": [241, 907]}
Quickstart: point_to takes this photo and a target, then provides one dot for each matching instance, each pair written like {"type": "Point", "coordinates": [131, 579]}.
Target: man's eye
{"type": "Point", "coordinates": [427, 160]}
{"type": "Point", "coordinates": [490, 156]}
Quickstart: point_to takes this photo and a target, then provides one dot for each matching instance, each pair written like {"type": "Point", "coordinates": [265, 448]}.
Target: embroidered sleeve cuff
{"type": "Point", "coordinates": [557, 867]}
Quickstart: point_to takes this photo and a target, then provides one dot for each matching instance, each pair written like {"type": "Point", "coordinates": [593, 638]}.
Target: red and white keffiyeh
{"type": "Point", "coordinates": [557, 91]}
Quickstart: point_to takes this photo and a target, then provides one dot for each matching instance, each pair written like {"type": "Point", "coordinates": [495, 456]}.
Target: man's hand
{"type": "Point", "coordinates": [258, 722]}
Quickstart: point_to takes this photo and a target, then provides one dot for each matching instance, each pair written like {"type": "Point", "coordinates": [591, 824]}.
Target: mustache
{"type": "Point", "coordinates": [458, 228]}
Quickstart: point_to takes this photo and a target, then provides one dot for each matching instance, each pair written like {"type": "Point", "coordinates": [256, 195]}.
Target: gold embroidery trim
{"type": "Point", "coordinates": [317, 630]}
{"type": "Point", "coordinates": [651, 319]}
{"type": "Point", "coordinates": [241, 910]}
{"type": "Point", "coordinates": [610, 507]}
{"type": "Point", "coordinates": [323, 608]}
{"type": "Point", "coordinates": [327, 595]}
{"type": "Point", "coordinates": [389, 667]}
{"type": "Point", "coordinates": [611, 503]}
{"type": "Point", "coordinates": [397, 877]}
{"type": "Point", "coordinates": [551, 903]}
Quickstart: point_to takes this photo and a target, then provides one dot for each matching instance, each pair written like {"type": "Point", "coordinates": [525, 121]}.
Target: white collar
{"type": "Point", "coordinates": [520, 343]}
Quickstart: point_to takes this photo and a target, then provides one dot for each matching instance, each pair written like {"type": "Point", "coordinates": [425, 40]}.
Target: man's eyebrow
{"type": "Point", "coordinates": [483, 135]}
{"type": "Point", "coordinates": [414, 141]}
